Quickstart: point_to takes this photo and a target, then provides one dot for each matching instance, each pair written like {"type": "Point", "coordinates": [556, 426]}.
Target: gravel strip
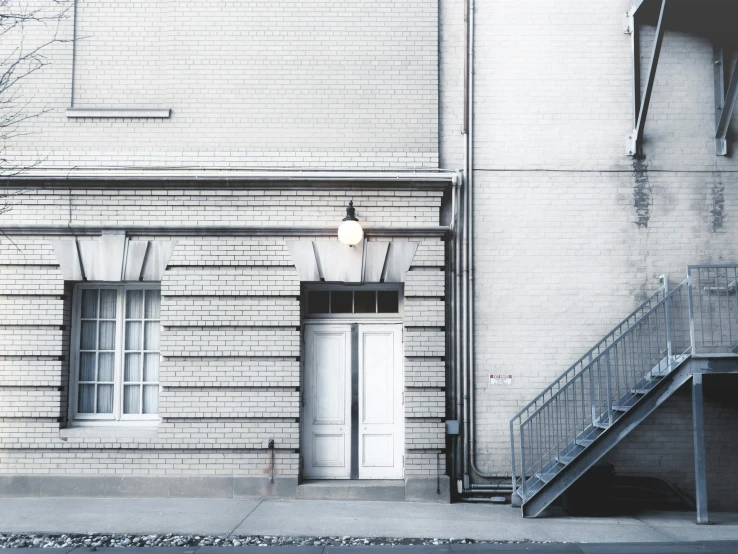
{"type": "Point", "coordinates": [94, 540]}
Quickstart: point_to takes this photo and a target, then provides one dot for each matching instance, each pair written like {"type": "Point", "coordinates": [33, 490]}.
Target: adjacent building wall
{"type": "Point", "coordinates": [571, 234]}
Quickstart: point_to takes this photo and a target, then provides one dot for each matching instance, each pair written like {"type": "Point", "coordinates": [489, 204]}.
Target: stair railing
{"type": "Point", "coordinates": [583, 401]}
{"type": "Point", "coordinates": [579, 366]}
{"type": "Point", "coordinates": [714, 292]}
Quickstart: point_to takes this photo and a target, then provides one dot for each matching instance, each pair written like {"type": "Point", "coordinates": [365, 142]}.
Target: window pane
{"type": "Point", "coordinates": [388, 302]}
{"type": "Point", "coordinates": [365, 302]}
{"type": "Point", "coordinates": [106, 364]}
{"type": "Point", "coordinates": [341, 302]}
{"type": "Point", "coordinates": [131, 394]}
{"type": "Point", "coordinates": [105, 399]}
{"type": "Point", "coordinates": [134, 304]}
{"type": "Point", "coordinates": [107, 335]}
{"type": "Point", "coordinates": [86, 401]}
{"type": "Point", "coordinates": [153, 304]}
{"type": "Point", "coordinates": [133, 335]}
{"type": "Point", "coordinates": [89, 303]}
{"type": "Point", "coordinates": [151, 367]}
{"type": "Point", "coordinates": [151, 338]}
{"type": "Point", "coordinates": [151, 399]}
{"type": "Point", "coordinates": [88, 335]}
{"type": "Point", "coordinates": [318, 302]}
{"type": "Point", "coordinates": [132, 369]}
{"type": "Point", "coordinates": [87, 366]}
{"type": "Point", "coordinates": [108, 299]}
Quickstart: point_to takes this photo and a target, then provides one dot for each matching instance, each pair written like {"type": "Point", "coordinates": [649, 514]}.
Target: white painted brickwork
{"type": "Point", "coordinates": [218, 206]}
{"type": "Point", "coordinates": [142, 462]}
{"type": "Point", "coordinates": [315, 83]}
{"type": "Point", "coordinates": [230, 341]}
{"type": "Point", "coordinates": [425, 402]}
{"type": "Point", "coordinates": [425, 372]}
{"type": "Point", "coordinates": [28, 279]}
{"type": "Point", "coordinates": [425, 342]}
{"type": "Point", "coordinates": [424, 312]}
{"type": "Point", "coordinates": [230, 337]}
{"type": "Point", "coordinates": [29, 402]}
{"type": "Point", "coordinates": [30, 371]}
{"type": "Point", "coordinates": [27, 251]}
{"type": "Point", "coordinates": [230, 252]}
{"type": "Point", "coordinates": [425, 282]}
{"type": "Point", "coordinates": [183, 311]}
{"type": "Point", "coordinates": [32, 310]}
{"type": "Point", "coordinates": [225, 281]}
{"type": "Point", "coordinates": [229, 402]}
{"type": "Point", "coordinates": [198, 371]}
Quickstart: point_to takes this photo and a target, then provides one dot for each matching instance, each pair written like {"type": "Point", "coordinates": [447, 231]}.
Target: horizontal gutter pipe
{"type": "Point", "coordinates": [441, 177]}
{"type": "Point", "coordinates": [235, 230]}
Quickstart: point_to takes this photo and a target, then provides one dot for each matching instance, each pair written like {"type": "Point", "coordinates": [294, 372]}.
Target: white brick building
{"type": "Point", "coordinates": [191, 171]}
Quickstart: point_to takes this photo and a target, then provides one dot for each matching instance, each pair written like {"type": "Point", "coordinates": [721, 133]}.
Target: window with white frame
{"type": "Point", "coordinates": [115, 353]}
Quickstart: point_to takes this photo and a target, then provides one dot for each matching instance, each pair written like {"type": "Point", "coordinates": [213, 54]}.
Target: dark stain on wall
{"type": "Point", "coordinates": [718, 205]}
{"type": "Point", "coordinates": [641, 193]}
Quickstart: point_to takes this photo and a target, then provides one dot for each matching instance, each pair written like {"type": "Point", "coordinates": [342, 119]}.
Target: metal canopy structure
{"type": "Point", "coordinates": [708, 18]}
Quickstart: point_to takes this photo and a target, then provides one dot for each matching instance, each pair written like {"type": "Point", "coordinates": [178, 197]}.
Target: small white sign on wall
{"type": "Point", "coordinates": [500, 380]}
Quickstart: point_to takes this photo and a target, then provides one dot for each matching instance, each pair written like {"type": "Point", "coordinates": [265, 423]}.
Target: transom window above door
{"type": "Point", "coordinates": [115, 354]}
{"type": "Point", "coordinates": [347, 301]}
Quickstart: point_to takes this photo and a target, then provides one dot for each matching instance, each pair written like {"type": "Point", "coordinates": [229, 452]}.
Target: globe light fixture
{"type": "Point", "coordinates": [350, 231]}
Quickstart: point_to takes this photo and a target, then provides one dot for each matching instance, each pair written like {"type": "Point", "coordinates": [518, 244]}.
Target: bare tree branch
{"type": "Point", "coordinates": [23, 55]}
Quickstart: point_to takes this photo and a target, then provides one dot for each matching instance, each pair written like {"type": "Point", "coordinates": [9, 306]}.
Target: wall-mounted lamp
{"type": "Point", "coordinates": [350, 232]}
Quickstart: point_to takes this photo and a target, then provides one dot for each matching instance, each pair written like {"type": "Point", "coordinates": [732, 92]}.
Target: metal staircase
{"type": "Point", "coordinates": [589, 409]}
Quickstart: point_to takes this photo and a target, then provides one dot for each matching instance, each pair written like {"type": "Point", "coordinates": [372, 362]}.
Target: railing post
{"type": "Point", "coordinates": [609, 391]}
{"type": "Point", "coordinates": [691, 311]}
{"type": "Point", "coordinates": [592, 390]}
{"type": "Point", "coordinates": [668, 333]}
{"type": "Point", "coordinates": [522, 462]}
{"type": "Point", "coordinates": [512, 455]}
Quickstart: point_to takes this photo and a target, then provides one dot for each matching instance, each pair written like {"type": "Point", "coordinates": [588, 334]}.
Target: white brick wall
{"type": "Point", "coordinates": [569, 238]}
{"type": "Point", "coordinates": [323, 84]}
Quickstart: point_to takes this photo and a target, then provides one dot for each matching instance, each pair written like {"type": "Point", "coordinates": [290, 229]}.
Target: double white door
{"type": "Point", "coordinates": [352, 413]}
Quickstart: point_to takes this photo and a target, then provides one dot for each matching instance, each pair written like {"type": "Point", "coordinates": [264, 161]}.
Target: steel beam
{"type": "Point", "coordinates": [724, 102]}
{"type": "Point", "coordinates": [635, 4]}
{"type": "Point", "coordinates": [635, 138]}
{"type": "Point", "coordinates": [698, 427]}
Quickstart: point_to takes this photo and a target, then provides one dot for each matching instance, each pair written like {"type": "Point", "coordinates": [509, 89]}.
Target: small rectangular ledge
{"type": "Point", "coordinates": [110, 432]}
{"type": "Point", "coordinates": [109, 113]}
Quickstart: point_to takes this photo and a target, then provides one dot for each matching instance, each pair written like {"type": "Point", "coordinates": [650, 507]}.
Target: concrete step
{"type": "Point", "coordinates": [360, 489]}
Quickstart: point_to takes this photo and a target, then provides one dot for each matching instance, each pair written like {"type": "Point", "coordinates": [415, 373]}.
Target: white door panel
{"type": "Point", "coordinates": [381, 422]}
{"type": "Point", "coordinates": [327, 410]}
{"type": "Point", "coordinates": [327, 424]}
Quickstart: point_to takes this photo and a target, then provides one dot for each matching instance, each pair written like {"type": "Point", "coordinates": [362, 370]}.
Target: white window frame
{"type": "Point", "coordinates": [117, 418]}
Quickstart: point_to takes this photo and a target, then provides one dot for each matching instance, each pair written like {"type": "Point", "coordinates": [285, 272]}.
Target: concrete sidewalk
{"type": "Point", "coordinates": [341, 518]}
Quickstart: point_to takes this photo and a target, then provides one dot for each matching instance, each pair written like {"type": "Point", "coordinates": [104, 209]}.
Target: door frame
{"type": "Point", "coordinates": [354, 320]}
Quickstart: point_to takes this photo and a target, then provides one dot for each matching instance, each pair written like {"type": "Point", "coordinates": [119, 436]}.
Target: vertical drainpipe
{"type": "Point", "coordinates": [470, 466]}
{"type": "Point", "coordinates": [464, 284]}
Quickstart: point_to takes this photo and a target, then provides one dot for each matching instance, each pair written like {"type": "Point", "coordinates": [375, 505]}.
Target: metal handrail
{"type": "Point", "coordinates": [588, 370]}
{"type": "Point", "coordinates": [573, 368]}
{"type": "Point", "coordinates": [612, 333]}
{"type": "Point", "coordinates": [611, 346]}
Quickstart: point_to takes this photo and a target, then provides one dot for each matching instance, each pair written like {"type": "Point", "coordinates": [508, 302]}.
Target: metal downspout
{"type": "Point", "coordinates": [470, 435]}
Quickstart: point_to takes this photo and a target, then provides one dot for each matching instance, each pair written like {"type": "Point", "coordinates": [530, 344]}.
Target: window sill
{"type": "Point", "coordinates": [109, 113]}
{"type": "Point", "coordinates": [139, 431]}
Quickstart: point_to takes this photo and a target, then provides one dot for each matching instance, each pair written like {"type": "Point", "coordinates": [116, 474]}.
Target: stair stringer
{"type": "Point", "coordinates": [620, 429]}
